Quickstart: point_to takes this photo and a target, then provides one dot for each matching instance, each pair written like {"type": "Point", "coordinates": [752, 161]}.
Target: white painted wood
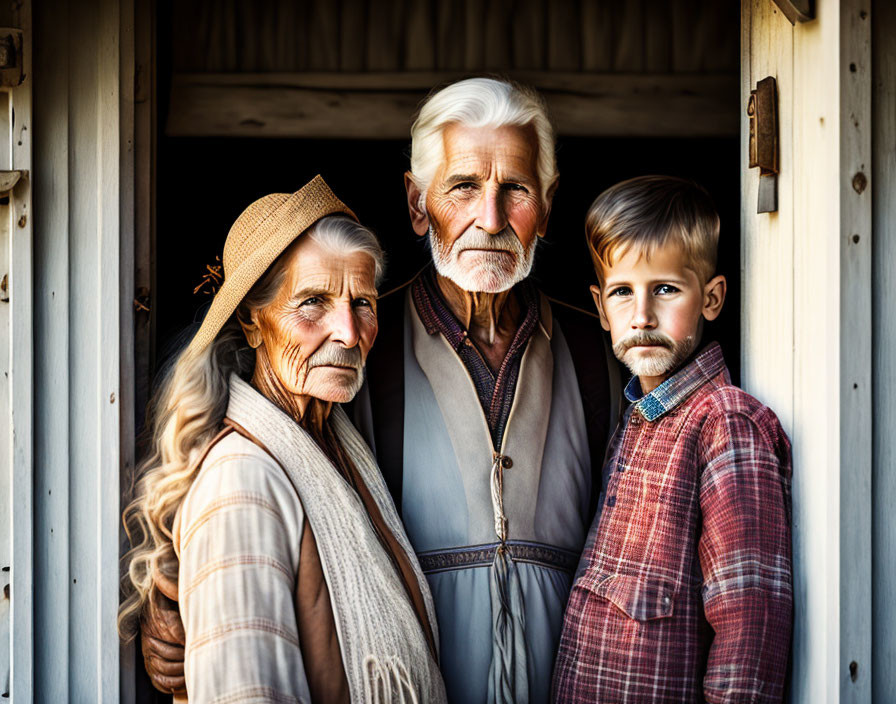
{"type": "Point", "coordinates": [807, 330]}
{"type": "Point", "coordinates": [856, 335]}
{"type": "Point", "coordinates": [382, 105]}
{"type": "Point", "coordinates": [83, 142]}
{"type": "Point", "coordinates": [21, 376]}
{"type": "Point", "coordinates": [883, 186]}
{"type": "Point", "coordinates": [5, 435]}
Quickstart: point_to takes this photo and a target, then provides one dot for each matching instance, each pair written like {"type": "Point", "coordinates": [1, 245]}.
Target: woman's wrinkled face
{"type": "Point", "coordinates": [317, 331]}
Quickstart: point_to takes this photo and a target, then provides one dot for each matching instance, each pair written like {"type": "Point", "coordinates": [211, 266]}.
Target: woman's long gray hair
{"type": "Point", "coordinates": [186, 413]}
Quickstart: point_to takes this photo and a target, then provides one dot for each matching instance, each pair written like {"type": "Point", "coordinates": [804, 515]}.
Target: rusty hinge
{"type": "Point", "coordinates": [11, 62]}
{"type": "Point", "coordinates": [4, 289]}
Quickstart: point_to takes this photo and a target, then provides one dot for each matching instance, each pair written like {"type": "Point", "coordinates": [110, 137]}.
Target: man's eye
{"type": "Point", "coordinates": [312, 301]}
{"type": "Point", "coordinates": [464, 186]}
{"type": "Point", "coordinates": [665, 289]}
{"type": "Point", "coordinates": [515, 187]}
{"type": "Point", "coordinates": [361, 303]}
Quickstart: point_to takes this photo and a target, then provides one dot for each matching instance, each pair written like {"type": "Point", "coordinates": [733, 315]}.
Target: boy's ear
{"type": "Point", "coordinates": [595, 294]}
{"type": "Point", "coordinates": [419, 218]}
{"type": "Point", "coordinates": [714, 297]}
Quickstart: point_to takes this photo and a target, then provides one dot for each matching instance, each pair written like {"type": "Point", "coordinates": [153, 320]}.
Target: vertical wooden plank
{"type": "Point", "coordinates": [498, 39]}
{"type": "Point", "coordinates": [450, 39]}
{"type": "Point", "coordinates": [290, 33]}
{"type": "Point", "coordinates": [420, 38]}
{"type": "Point", "coordinates": [51, 330]}
{"type": "Point", "coordinates": [323, 36]}
{"type": "Point", "coordinates": [658, 36]}
{"type": "Point", "coordinates": [855, 349]}
{"type": "Point", "coordinates": [687, 29]}
{"type": "Point", "coordinates": [597, 35]}
{"type": "Point", "coordinates": [628, 49]}
{"type": "Point", "coordinates": [386, 28]}
{"type": "Point", "coordinates": [883, 185]}
{"type": "Point", "coordinates": [474, 35]}
{"type": "Point", "coordinates": [6, 474]}
{"type": "Point", "coordinates": [564, 49]}
{"type": "Point", "coordinates": [124, 660]}
{"type": "Point", "coordinates": [21, 340]}
{"type": "Point", "coordinates": [353, 35]}
{"type": "Point", "coordinates": [112, 187]}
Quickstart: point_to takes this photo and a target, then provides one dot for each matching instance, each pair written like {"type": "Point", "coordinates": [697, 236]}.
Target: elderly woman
{"type": "Point", "coordinates": [260, 501]}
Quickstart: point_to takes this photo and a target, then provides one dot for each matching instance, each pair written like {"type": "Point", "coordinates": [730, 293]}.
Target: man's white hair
{"type": "Point", "coordinates": [480, 102]}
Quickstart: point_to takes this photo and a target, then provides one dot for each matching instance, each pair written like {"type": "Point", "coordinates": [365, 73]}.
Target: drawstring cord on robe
{"type": "Point", "coordinates": [388, 681]}
{"type": "Point", "coordinates": [509, 680]}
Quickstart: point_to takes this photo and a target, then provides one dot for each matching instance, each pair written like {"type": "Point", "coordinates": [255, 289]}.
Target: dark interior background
{"type": "Point", "coordinates": [204, 184]}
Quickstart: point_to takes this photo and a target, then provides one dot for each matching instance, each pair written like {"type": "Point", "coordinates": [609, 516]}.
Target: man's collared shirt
{"type": "Point", "coordinates": [494, 389]}
{"type": "Point", "coordinates": [686, 593]}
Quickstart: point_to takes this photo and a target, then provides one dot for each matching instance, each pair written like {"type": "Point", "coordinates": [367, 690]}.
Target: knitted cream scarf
{"type": "Point", "coordinates": [384, 650]}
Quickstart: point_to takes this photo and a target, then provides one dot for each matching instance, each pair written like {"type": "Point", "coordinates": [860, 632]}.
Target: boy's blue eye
{"type": "Point", "coordinates": [665, 288]}
{"type": "Point", "coordinates": [620, 291]}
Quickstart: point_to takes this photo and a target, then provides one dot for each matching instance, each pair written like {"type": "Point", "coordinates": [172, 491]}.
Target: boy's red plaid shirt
{"type": "Point", "coordinates": [684, 593]}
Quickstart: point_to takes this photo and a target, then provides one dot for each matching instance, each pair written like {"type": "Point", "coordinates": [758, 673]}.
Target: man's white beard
{"type": "Point", "coordinates": [662, 359]}
{"type": "Point", "coordinates": [483, 272]}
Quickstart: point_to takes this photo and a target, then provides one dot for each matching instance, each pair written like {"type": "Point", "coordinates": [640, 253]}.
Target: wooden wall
{"type": "Point", "coordinates": [806, 324]}
{"type": "Point", "coordinates": [636, 36]}
{"type": "Point", "coordinates": [359, 68]}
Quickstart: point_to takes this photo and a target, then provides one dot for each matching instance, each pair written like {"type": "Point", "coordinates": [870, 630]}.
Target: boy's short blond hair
{"type": "Point", "coordinates": [648, 212]}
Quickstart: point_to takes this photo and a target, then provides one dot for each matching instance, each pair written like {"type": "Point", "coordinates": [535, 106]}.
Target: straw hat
{"type": "Point", "coordinates": [257, 238]}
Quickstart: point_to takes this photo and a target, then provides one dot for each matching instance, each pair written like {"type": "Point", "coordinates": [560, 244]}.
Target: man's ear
{"type": "Point", "coordinates": [416, 209]}
{"type": "Point", "coordinates": [714, 297]}
{"type": "Point", "coordinates": [549, 200]}
{"type": "Point", "coordinates": [251, 330]}
{"type": "Point", "coordinates": [595, 294]}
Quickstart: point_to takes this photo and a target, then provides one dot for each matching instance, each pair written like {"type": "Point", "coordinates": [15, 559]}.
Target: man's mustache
{"type": "Point", "coordinates": [332, 354]}
{"type": "Point", "coordinates": [643, 337]}
{"type": "Point", "coordinates": [474, 238]}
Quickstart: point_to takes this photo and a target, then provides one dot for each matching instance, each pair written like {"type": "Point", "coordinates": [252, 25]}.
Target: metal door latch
{"type": "Point", "coordinates": [763, 113]}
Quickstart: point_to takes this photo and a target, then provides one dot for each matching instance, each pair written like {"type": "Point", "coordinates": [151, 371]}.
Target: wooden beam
{"type": "Point", "coordinates": [381, 105]}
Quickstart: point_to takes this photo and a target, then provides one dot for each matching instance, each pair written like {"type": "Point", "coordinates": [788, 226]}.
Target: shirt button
{"type": "Point", "coordinates": [611, 501]}
{"type": "Point", "coordinates": [468, 342]}
{"type": "Point", "coordinates": [667, 602]}
{"type": "Point", "coordinates": [506, 462]}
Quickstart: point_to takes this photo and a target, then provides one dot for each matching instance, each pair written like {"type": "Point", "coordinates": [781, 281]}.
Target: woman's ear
{"type": "Point", "coordinates": [416, 209]}
{"type": "Point", "coordinates": [251, 329]}
{"type": "Point", "coordinates": [714, 297]}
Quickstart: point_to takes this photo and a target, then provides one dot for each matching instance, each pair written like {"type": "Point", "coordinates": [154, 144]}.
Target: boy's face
{"type": "Point", "coordinates": [654, 309]}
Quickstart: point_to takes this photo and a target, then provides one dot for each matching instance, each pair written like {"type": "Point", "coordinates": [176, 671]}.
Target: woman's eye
{"type": "Point", "coordinates": [312, 301]}
{"type": "Point", "coordinates": [666, 289]}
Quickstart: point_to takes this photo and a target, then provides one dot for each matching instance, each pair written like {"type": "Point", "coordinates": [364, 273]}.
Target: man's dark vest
{"type": "Point", "coordinates": [596, 373]}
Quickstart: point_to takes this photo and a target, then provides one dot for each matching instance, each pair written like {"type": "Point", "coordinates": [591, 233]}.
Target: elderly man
{"type": "Point", "coordinates": [488, 405]}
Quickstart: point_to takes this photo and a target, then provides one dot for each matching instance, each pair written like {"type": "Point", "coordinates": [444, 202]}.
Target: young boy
{"type": "Point", "coordinates": [684, 591]}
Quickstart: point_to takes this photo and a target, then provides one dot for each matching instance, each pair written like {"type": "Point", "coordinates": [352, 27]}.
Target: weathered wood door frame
{"type": "Point", "coordinates": [806, 330]}
{"type": "Point", "coordinates": [16, 385]}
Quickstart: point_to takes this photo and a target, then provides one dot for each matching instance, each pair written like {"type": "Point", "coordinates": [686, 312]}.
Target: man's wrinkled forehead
{"type": "Point", "coordinates": [478, 151]}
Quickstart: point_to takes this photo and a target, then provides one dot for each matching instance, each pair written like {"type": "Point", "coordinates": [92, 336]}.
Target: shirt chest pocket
{"type": "Point", "coordinates": [641, 598]}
